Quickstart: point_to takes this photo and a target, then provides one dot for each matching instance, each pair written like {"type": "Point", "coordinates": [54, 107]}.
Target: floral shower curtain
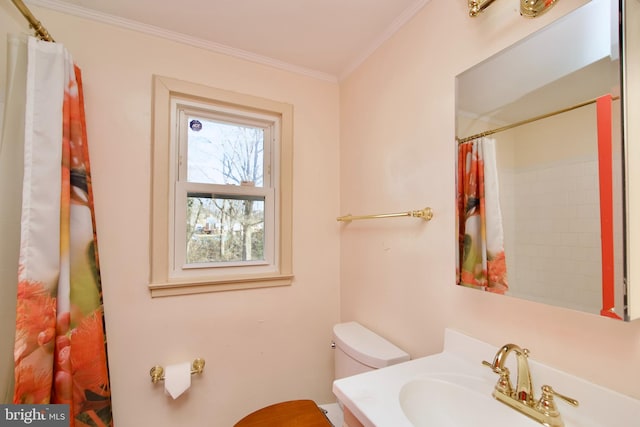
{"type": "Point", "coordinates": [60, 351]}
{"type": "Point", "coordinates": [481, 258]}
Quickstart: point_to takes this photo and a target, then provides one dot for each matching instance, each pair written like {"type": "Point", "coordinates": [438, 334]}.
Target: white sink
{"type": "Point", "coordinates": [454, 389]}
{"type": "Point", "coordinates": [455, 401]}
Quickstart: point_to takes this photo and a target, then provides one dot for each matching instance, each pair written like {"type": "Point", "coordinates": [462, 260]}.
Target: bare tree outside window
{"type": "Point", "coordinates": [224, 227]}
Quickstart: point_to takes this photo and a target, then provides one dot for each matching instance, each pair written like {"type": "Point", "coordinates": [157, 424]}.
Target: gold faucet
{"type": "Point", "coordinates": [522, 397]}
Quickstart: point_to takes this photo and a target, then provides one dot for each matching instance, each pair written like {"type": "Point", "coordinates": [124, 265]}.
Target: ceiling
{"type": "Point", "coordinates": [324, 38]}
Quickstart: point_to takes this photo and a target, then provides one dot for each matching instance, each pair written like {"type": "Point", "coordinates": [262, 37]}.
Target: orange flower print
{"type": "Point", "coordinates": [88, 359]}
{"type": "Point", "coordinates": [33, 386]}
{"type": "Point", "coordinates": [498, 274]}
{"type": "Point", "coordinates": [35, 320]}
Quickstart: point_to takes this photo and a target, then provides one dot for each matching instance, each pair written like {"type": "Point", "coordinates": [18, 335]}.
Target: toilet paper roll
{"type": "Point", "coordinates": [177, 379]}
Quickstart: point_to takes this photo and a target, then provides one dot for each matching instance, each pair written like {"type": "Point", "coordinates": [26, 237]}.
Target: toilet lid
{"type": "Point", "coordinates": [367, 347]}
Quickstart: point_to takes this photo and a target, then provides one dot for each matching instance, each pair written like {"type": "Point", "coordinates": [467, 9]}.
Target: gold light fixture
{"type": "Point", "coordinates": [533, 8]}
{"type": "Point", "coordinates": [528, 8]}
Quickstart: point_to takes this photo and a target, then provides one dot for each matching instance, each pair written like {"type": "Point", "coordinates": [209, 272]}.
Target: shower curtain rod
{"type": "Point", "coordinates": [41, 31]}
{"type": "Point", "coordinates": [526, 121]}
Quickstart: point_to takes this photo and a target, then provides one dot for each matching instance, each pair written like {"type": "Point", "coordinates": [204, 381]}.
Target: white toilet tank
{"type": "Point", "coordinates": [360, 350]}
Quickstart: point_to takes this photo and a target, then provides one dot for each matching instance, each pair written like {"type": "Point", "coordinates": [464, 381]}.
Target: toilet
{"type": "Point", "coordinates": [357, 350]}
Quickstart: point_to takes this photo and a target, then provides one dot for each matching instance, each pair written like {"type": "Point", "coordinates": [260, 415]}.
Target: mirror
{"type": "Point", "coordinates": [553, 105]}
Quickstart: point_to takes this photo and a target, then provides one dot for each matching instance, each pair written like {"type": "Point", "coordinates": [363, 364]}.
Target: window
{"type": "Point", "coordinates": [221, 201]}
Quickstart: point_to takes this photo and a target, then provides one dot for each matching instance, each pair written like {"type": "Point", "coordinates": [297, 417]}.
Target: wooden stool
{"type": "Point", "coordinates": [294, 413]}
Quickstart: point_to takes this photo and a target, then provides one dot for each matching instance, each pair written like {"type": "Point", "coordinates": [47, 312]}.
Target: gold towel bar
{"type": "Point", "coordinates": [426, 214]}
{"type": "Point", "coordinates": [157, 372]}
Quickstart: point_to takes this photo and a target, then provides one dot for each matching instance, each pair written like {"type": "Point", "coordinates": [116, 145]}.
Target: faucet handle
{"type": "Point", "coordinates": [493, 366]}
{"type": "Point", "coordinates": [490, 366]}
{"type": "Point", "coordinates": [547, 404]}
{"type": "Point", "coordinates": [504, 382]}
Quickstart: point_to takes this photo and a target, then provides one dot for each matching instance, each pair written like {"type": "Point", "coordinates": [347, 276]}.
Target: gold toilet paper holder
{"type": "Point", "coordinates": [157, 372]}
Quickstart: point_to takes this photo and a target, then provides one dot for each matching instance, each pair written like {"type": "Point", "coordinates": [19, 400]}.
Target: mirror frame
{"type": "Point", "coordinates": [630, 85]}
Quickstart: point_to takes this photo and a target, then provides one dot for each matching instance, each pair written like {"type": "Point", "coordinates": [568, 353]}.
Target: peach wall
{"type": "Point", "coordinates": [397, 153]}
{"type": "Point", "coordinates": [261, 346]}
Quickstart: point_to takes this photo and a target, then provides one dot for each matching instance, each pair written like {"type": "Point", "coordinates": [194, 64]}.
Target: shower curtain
{"type": "Point", "coordinates": [481, 258]}
{"type": "Point", "coordinates": [11, 160]}
{"type": "Point", "coordinates": [60, 353]}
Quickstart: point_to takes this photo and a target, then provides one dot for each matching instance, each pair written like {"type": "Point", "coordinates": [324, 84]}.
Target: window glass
{"type": "Point", "coordinates": [224, 153]}
{"type": "Point", "coordinates": [224, 229]}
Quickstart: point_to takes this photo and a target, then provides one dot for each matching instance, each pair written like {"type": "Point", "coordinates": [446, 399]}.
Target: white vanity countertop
{"type": "Point", "coordinates": [373, 397]}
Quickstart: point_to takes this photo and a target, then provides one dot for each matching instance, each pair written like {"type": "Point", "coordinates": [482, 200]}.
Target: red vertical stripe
{"type": "Point", "coordinates": [603, 110]}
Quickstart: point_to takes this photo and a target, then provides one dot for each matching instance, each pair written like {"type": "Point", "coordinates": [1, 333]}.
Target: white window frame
{"type": "Point", "coordinates": [169, 274]}
{"type": "Point", "coordinates": [270, 124]}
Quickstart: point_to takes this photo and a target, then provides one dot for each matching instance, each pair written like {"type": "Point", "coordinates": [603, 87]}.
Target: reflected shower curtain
{"type": "Point", "coordinates": [481, 259]}
{"type": "Point", "coordinates": [60, 345]}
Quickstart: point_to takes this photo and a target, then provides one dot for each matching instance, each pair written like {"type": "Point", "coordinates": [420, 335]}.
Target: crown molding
{"type": "Point", "coordinates": [128, 24]}
{"type": "Point", "coordinates": [398, 23]}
